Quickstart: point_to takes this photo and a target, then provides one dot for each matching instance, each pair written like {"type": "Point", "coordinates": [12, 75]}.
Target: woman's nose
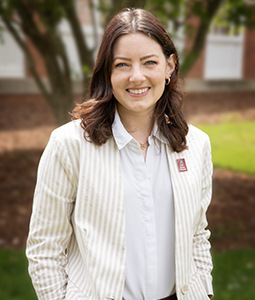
{"type": "Point", "coordinates": [137, 75]}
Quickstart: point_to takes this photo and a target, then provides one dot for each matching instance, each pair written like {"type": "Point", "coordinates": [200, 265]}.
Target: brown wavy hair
{"type": "Point", "coordinates": [97, 113]}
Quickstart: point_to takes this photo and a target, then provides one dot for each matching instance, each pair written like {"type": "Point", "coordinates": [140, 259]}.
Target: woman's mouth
{"type": "Point", "coordinates": [138, 91]}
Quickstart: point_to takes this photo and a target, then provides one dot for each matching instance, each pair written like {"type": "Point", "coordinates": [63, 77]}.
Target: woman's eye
{"type": "Point", "coordinates": [120, 65]}
{"type": "Point", "coordinates": [151, 62]}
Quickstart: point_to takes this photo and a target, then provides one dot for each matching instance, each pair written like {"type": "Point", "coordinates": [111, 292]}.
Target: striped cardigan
{"type": "Point", "coordinates": [76, 242]}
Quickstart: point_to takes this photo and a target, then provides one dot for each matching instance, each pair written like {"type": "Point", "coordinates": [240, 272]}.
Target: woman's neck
{"type": "Point", "coordinates": [137, 125]}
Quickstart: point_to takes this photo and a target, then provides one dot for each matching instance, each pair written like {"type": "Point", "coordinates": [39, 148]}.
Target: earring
{"type": "Point", "coordinates": [168, 80]}
{"type": "Point", "coordinates": [167, 119]}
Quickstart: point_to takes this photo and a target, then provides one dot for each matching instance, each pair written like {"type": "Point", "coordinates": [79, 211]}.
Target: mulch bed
{"type": "Point", "coordinates": [231, 214]}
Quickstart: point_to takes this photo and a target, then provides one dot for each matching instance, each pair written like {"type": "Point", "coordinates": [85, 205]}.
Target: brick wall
{"type": "Point", "coordinates": [249, 54]}
{"type": "Point", "coordinates": [197, 71]}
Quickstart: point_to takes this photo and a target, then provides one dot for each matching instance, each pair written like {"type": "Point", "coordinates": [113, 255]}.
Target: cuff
{"type": "Point", "coordinates": [207, 282]}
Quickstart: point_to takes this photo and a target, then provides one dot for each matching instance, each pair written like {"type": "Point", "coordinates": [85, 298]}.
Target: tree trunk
{"type": "Point", "coordinates": [200, 38]}
{"type": "Point", "coordinates": [62, 105]}
{"type": "Point", "coordinates": [50, 46]}
{"type": "Point", "coordinates": [85, 54]}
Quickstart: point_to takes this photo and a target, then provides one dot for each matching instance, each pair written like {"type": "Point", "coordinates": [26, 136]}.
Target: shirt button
{"type": "Point", "coordinates": [149, 176]}
{"type": "Point", "coordinates": [184, 289]}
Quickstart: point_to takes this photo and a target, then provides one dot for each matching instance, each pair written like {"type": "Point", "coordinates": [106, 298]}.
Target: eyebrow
{"type": "Point", "coordinates": [129, 59]}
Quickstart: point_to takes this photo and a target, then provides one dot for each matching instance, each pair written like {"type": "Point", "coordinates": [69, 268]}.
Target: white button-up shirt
{"type": "Point", "coordinates": [149, 212]}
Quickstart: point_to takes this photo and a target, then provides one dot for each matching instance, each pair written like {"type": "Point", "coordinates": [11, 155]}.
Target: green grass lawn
{"type": "Point", "coordinates": [15, 284]}
{"type": "Point", "coordinates": [234, 273]}
{"type": "Point", "coordinates": [233, 145]}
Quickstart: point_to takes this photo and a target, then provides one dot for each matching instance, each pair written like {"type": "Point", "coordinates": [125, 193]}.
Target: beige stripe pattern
{"type": "Point", "coordinates": [76, 242]}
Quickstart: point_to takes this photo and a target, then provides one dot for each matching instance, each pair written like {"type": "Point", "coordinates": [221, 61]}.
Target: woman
{"type": "Point", "coordinates": [122, 191]}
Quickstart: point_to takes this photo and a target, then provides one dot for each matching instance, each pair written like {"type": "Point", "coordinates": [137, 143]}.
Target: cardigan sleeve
{"type": "Point", "coordinates": [50, 226]}
{"type": "Point", "coordinates": [201, 244]}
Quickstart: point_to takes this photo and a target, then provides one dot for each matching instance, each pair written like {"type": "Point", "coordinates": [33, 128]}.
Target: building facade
{"type": "Point", "coordinates": [227, 55]}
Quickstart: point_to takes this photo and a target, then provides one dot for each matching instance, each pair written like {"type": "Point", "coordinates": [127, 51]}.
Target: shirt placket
{"type": "Point", "coordinates": [151, 228]}
{"type": "Point", "coordinates": [144, 175]}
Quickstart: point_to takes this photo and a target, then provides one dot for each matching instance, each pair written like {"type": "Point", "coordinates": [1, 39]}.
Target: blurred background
{"type": "Point", "coordinates": [47, 52]}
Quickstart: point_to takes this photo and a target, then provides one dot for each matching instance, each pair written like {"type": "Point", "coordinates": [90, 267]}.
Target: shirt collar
{"type": "Point", "coordinates": [120, 134]}
{"type": "Point", "coordinates": [122, 137]}
{"type": "Point", "coordinates": [158, 134]}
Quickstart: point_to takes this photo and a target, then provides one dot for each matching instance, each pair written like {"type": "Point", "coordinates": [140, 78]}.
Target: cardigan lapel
{"type": "Point", "coordinates": [186, 189]}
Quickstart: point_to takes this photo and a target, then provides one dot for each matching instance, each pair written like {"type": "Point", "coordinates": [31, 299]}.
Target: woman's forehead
{"type": "Point", "coordinates": [136, 43]}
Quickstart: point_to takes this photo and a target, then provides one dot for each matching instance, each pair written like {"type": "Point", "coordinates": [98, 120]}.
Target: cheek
{"type": "Point", "coordinates": [160, 82]}
{"type": "Point", "coordinates": [113, 83]}
{"type": "Point", "coordinates": [159, 76]}
{"type": "Point", "coordinates": [115, 86]}
{"type": "Point", "coordinates": [116, 80]}
{"type": "Point", "coordinates": [112, 80]}
{"type": "Point", "coordinates": [160, 87]}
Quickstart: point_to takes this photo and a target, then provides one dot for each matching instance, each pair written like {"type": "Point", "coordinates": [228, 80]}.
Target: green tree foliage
{"type": "Point", "coordinates": [37, 21]}
{"type": "Point", "coordinates": [182, 13]}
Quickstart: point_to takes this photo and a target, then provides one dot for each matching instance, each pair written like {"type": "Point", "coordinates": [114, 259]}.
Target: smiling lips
{"type": "Point", "coordinates": [138, 91]}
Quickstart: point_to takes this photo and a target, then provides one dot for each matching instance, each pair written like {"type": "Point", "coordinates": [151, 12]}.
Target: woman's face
{"type": "Point", "coordinates": [139, 71]}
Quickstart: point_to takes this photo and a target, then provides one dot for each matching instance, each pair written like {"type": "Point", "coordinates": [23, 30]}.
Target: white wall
{"type": "Point", "coordinates": [224, 56]}
{"type": "Point", "coordinates": [12, 63]}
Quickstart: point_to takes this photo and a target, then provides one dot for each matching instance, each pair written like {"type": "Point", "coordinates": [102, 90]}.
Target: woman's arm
{"type": "Point", "coordinates": [50, 228]}
{"type": "Point", "coordinates": [201, 244]}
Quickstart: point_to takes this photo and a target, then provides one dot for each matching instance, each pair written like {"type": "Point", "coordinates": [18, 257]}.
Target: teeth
{"type": "Point", "coordinates": [139, 91]}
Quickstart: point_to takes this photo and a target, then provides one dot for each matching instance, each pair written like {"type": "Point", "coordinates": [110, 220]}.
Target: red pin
{"type": "Point", "coordinates": [181, 165]}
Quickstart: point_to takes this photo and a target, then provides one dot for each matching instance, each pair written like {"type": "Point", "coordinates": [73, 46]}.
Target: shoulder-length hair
{"type": "Point", "coordinates": [97, 113]}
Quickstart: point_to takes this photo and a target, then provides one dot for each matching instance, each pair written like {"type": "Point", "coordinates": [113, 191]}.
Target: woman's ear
{"type": "Point", "coordinates": [170, 65]}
